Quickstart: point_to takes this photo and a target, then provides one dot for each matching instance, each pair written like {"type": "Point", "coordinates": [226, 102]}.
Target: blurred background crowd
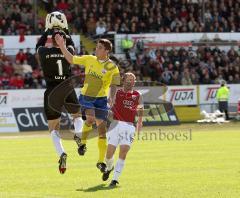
{"type": "Point", "coordinates": [175, 66]}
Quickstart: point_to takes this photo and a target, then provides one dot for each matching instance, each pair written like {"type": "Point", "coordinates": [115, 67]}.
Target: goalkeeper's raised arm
{"type": "Point", "coordinates": [62, 46]}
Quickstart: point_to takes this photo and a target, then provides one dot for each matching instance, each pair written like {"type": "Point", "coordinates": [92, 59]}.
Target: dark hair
{"type": "Point", "coordinates": [106, 43]}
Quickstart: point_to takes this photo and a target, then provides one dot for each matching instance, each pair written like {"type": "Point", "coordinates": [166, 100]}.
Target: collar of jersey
{"type": "Point", "coordinates": [128, 91]}
{"type": "Point", "coordinates": [103, 61]}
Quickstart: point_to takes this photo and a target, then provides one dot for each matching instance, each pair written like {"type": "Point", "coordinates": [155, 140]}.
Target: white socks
{"type": "Point", "coordinates": [118, 169]}
{"type": "Point", "coordinates": [78, 126]}
{"type": "Point", "coordinates": [109, 163]}
{"type": "Point", "coordinates": [57, 142]}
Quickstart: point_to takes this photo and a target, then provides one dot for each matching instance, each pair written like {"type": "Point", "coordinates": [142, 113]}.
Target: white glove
{"type": "Point", "coordinates": [65, 22]}
{"type": "Point", "coordinates": [48, 25]}
{"type": "Point", "coordinates": [59, 20]}
{"type": "Point", "coordinates": [46, 22]}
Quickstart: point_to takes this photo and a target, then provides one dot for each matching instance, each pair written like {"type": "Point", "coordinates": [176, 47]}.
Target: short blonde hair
{"type": "Point", "coordinates": [129, 74]}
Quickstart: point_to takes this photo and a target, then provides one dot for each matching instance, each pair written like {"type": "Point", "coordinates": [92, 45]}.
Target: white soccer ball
{"type": "Point", "coordinates": [56, 20]}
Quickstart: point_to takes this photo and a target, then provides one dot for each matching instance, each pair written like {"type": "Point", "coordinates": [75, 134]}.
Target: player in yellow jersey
{"type": "Point", "coordinates": [101, 74]}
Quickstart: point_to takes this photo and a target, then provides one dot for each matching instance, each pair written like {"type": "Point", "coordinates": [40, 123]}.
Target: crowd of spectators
{"type": "Point", "coordinates": [21, 71]}
{"type": "Point", "coordinates": [201, 65]}
{"type": "Point", "coordinates": [159, 16]}
{"type": "Point", "coordinates": [124, 16]}
{"type": "Point", "coordinates": [183, 66]}
{"type": "Point", "coordinates": [17, 18]}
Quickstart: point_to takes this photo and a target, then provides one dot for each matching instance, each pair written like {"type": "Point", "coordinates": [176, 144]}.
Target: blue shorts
{"type": "Point", "coordinates": [99, 104]}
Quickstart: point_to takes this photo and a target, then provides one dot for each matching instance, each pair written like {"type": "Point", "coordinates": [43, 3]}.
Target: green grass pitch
{"type": "Point", "coordinates": [205, 164]}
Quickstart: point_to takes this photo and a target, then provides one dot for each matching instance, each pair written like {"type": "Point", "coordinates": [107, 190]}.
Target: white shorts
{"type": "Point", "coordinates": [120, 133]}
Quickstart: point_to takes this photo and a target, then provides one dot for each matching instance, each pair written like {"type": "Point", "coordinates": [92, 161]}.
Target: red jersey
{"type": "Point", "coordinates": [125, 105]}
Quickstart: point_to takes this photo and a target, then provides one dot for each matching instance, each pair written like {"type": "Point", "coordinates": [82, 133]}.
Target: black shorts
{"type": "Point", "coordinates": [55, 100]}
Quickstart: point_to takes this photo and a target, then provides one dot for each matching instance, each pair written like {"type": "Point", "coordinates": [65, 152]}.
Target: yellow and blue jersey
{"type": "Point", "coordinates": [99, 75]}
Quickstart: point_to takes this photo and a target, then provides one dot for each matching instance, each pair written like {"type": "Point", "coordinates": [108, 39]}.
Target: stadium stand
{"type": "Point", "coordinates": [174, 66]}
{"type": "Point", "coordinates": [155, 16]}
{"type": "Point", "coordinates": [20, 15]}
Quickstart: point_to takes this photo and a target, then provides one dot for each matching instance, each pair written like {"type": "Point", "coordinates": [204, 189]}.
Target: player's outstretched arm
{"type": "Point", "coordinates": [69, 41]}
{"type": "Point", "coordinates": [140, 114]}
{"type": "Point", "coordinates": [60, 41]}
{"type": "Point", "coordinates": [113, 90]}
{"type": "Point", "coordinates": [43, 39]}
{"type": "Point", "coordinates": [115, 81]}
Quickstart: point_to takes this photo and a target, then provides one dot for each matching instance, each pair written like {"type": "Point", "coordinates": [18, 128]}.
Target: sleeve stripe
{"type": "Point", "coordinates": [38, 48]}
{"type": "Point", "coordinates": [72, 48]}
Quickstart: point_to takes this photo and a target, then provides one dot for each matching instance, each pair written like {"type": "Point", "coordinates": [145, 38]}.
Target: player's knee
{"type": "Point", "coordinates": [102, 129]}
{"type": "Point", "coordinates": [102, 133]}
{"type": "Point", "coordinates": [123, 155]}
{"type": "Point", "coordinates": [109, 155]}
{"type": "Point", "coordinates": [123, 152]}
{"type": "Point", "coordinates": [53, 126]}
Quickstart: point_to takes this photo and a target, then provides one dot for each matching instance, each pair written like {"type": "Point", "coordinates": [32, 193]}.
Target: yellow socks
{"type": "Point", "coordinates": [102, 147]}
{"type": "Point", "coordinates": [85, 132]}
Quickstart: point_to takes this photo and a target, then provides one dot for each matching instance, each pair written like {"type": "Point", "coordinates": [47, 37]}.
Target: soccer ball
{"type": "Point", "coordinates": [56, 20]}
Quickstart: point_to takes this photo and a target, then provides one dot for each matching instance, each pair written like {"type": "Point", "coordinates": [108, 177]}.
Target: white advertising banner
{"type": "Point", "coordinates": [234, 93]}
{"type": "Point", "coordinates": [11, 44]}
{"type": "Point", "coordinates": [182, 95]}
{"type": "Point", "coordinates": [208, 93]}
{"type": "Point", "coordinates": [178, 95]}
{"type": "Point", "coordinates": [7, 120]}
{"type": "Point", "coordinates": [34, 97]}
{"type": "Point", "coordinates": [172, 37]}
{"type": "Point", "coordinates": [22, 98]}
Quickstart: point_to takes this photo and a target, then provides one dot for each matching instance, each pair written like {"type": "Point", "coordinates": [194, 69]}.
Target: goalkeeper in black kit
{"type": "Point", "coordinates": [56, 69]}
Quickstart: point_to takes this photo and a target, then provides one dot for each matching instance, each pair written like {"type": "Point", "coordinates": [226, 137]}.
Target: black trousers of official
{"type": "Point", "coordinates": [223, 107]}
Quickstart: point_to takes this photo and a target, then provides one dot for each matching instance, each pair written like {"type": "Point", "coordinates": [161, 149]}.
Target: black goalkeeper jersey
{"type": "Point", "coordinates": [55, 67]}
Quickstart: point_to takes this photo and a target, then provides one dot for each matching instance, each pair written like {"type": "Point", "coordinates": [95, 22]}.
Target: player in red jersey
{"type": "Point", "coordinates": [127, 104]}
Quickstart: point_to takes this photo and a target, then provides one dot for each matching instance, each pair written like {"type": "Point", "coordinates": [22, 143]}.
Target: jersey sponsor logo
{"type": "Point", "coordinates": [93, 73]}
{"type": "Point", "coordinates": [128, 104]}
